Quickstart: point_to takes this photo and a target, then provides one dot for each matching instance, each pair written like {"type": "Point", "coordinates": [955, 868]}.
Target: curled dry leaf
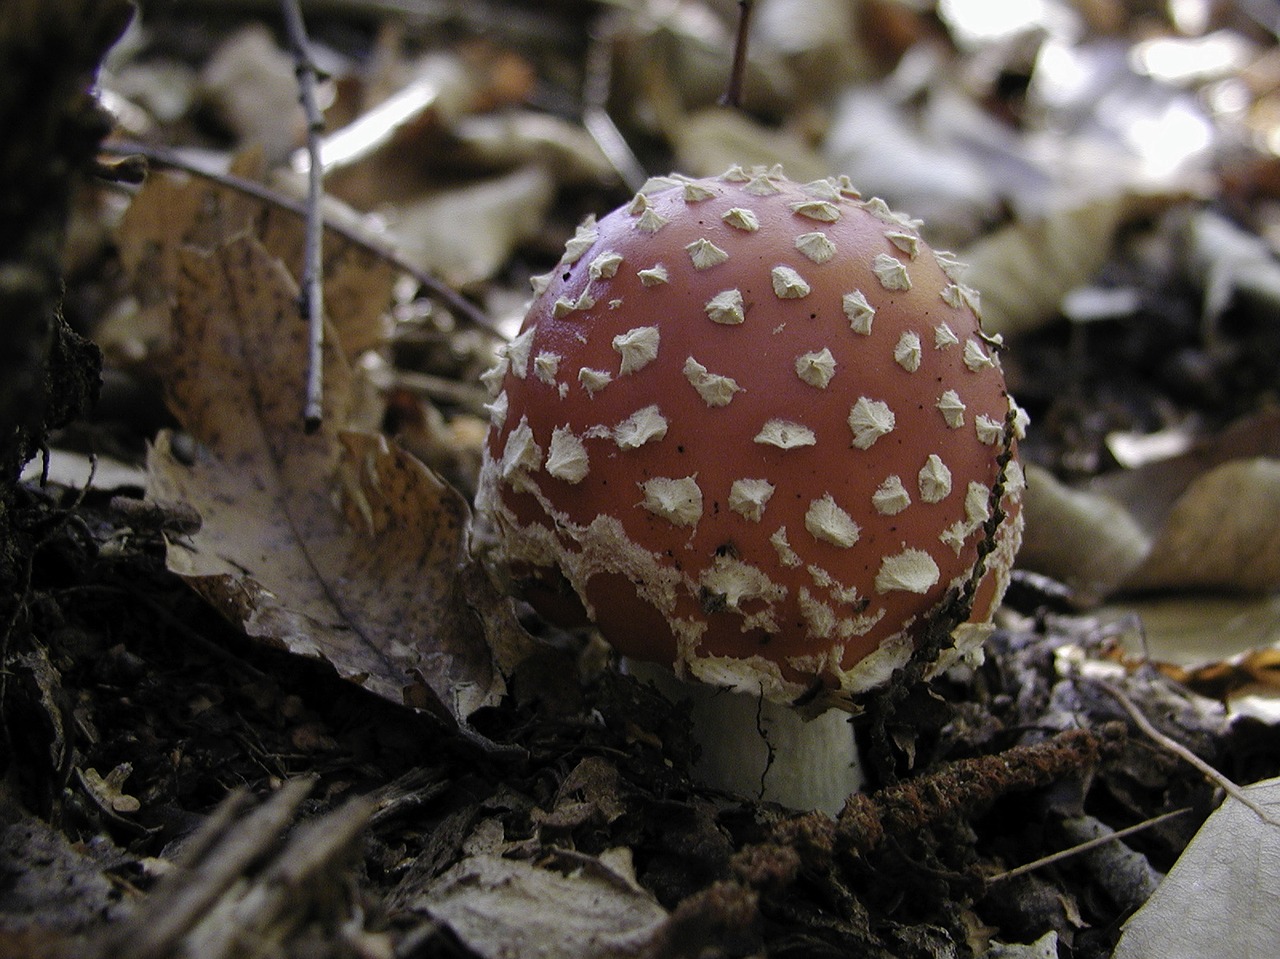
{"type": "Point", "coordinates": [519, 137]}
{"type": "Point", "coordinates": [710, 141]}
{"type": "Point", "coordinates": [1223, 533]}
{"type": "Point", "coordinates": [334, 546]}
{"type": "Point", "coordinates": [1086, 540]}
{"type": "Point", "coordinates": [1025, 269]}
{"type": "Point", "coordinates": [466, 234]}
{"type": "Point", "coordinates": [1226, 648]}
{"type": "Point", "coordinates": [1207, 519]}
{"type": "Point", "coordinates": [1219, 898]}
{"type": "Point", "coordinates": [502, 907]}
{"type": "Point", "coordinates": [252, 85]}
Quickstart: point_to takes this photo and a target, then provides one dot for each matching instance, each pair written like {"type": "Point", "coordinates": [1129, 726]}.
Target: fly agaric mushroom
{"type": "Point", "coordinates": [751, 430]}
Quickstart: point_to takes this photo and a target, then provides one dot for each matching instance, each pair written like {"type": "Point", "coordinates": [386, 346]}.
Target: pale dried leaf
{"type": "Point", "coordinates": [357, 282]}
{"type": "Point", "coordinates": [1220, 897]}
{"type": "Point", "coordinates": [1150, 492]}
{"type": "Point", "coordinates": [252, 84]}
{"type": "Point", "coordinates": [1084, 539]}
{"type": "Point", "coordinates": [1224, 647]}
{"type": "Point", "coordinates": [337, 547]}
{"type": "Point", "coordinates": [503, 907]}
{"type": "Point", "coordinates": [1223, 533]}
{"type": "Point", "coordinates": [1025, 269]}
{"type": "Point", "coordinates": [517, 137]}
{"type": "Point", "coordinates": [710, 141]}
{"type": "Point", "coordinates": [173, 210]}
{"type": "Point", "coordinates": [466, 235]}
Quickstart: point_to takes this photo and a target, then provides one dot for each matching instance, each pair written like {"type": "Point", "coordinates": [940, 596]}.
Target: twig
{"type": "Point", "coordinates": [1182, 752]}
{"type": "Point", "coordinates": [311, 286]}
{"type": "Point", "coordinates": [167, 157]}
{"type": "Point", "coordinates": [1086, 846]}
{"type": "Point", "coordinates": [595, 113]}
{"type": "Point", "coordinates": [960, 787]}
{"type": "Point", "coordinates": [733, 92]}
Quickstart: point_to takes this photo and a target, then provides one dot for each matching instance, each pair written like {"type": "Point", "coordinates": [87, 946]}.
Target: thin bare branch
{"type": "Point", "coordinates": [595, 114]}
{"type": "Point", "coordinates": [1086, 846]}
{"type": "Point", "coordinates": [733, 92]}
{"type": "Point", "coordinates": [1183, 753]}
{"type": "Point", "coordinates": [311, 277]}
{"type": "Point", "coordinates": [167, 157]}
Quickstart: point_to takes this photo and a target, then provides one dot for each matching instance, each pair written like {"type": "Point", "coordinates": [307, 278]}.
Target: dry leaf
{"type": "Point", "coordinates": [1084, 539]}
{"type": "Point", "coordinates": [710, 141]}
{"type": "Point", "coordinates": [502, 907]}
{"type": "Point", "coordinates": [173, 211]}
{"type": "Point", "coordinates": [1024, 270]}
{"type": "Point", "coordinates": [336, 547]}
{"type": "Point", "coordinates": [1207, 519]}
{"type": "Point", "coordinates": [1220, 897]}
{"type": "Point", "coordinates": [253, 86]}
{"type": "Point", "coordinates": [518, 137]}
{"type": "Point", "coordinates": [1149, 492]}
{"type": "Point", "coordinates": [1226, 648]}
{"type": "Point", "coordinates": [466, 235]}
{"type": "Point", "coordinates": [1223, 533]}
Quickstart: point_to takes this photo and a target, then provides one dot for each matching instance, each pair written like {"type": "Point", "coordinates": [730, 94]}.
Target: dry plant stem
{"type": "Point", "coordinates": [220, 853]}
{"type": "Point", "coordinates": [166, 157]}
{"type": "Point", "coordinates": [1182, 752]}
{"type": "Point", "coordinates": [1086, 846]}
{"type": "Point", "coordinates": [595, 115]}
{"type": "Point", "coordinates": [312, 285]}
{"type": "Point", "coordinates": [733, 92]}
{"type": "Point", "coordinates": [961, 787]}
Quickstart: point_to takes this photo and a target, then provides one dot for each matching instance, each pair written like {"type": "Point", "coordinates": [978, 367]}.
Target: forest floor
{"type": "Point", "coordinates": [179, 782]}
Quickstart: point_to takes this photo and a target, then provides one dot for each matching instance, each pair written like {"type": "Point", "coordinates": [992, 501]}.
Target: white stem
{"type": "Point", "coordinates": [815, 762]}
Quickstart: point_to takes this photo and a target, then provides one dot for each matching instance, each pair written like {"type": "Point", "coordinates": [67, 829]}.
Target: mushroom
{"type": "Point", "coordinates": [751, 430]}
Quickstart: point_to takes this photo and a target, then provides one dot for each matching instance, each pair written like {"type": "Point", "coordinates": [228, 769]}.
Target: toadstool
{"type": "Point", "coordinates": [750, 429]}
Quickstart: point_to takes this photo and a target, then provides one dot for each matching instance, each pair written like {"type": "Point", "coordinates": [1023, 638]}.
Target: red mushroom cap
{"type": "Point", "coordinates": [751, 428]}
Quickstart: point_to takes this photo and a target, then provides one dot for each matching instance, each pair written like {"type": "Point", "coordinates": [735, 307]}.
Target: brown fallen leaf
{"type": "Point", "coordinates": [1222, 533]}
{"type": "Point", "coordinates": [1207, 519]}
{"type": "Point", "coordinates": [175, 210]}
{"type": "Point", "coordinates": [335, 546]}
{"type": "Point", "coordinates": [1079, 537]}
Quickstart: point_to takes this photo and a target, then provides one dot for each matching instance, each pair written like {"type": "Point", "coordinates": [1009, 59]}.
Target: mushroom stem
{"type": "Point", "coordinates": [814, 763]}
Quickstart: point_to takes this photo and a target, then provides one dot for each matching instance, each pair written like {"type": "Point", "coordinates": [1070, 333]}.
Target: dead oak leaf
{"type": "Point", "coordinates": [336, 546]}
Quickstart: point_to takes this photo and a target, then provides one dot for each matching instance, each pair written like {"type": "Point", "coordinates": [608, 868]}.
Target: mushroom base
{"type": "Point", "coordinates": [764, 750]}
